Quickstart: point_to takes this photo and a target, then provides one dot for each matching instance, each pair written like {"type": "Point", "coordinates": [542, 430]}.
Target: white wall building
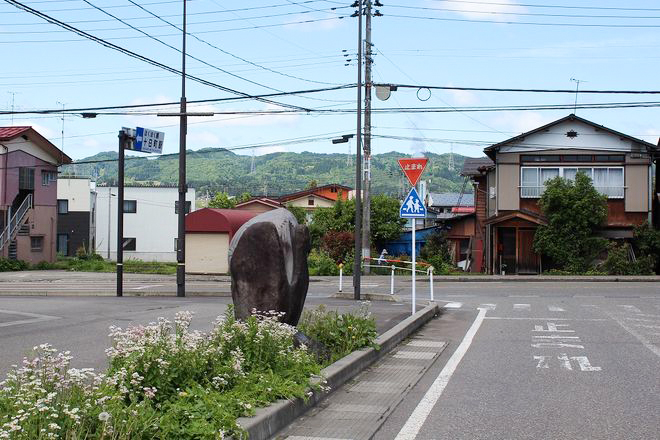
{"type": "Point", "coordinates": [150, 222]}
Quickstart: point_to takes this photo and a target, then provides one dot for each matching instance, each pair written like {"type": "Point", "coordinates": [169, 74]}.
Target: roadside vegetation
{"type": "Point", "coordinates": [575, 212]}
{"type": "Point", "coordinates": [166, 381]}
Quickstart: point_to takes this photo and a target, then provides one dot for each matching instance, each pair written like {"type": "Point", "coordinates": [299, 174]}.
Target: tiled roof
{"type": "Point", "coordinates": [472, 165]}
{"type": "Point", "coordinates": [450, 199]}
{"type": "Point", "coordinates": [8, 133]}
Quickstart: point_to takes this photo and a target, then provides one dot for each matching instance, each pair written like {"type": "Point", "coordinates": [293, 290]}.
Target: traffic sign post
{"type": "Point", "coordinates": [137, 139]}
{"type": "Point", "coordinates": [413, 207]}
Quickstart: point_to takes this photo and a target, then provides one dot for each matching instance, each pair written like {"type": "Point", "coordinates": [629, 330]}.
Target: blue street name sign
{"type": "Point", "coordinates": [412, 206]}
{"type": "Point", "coordinates": [148, 141]}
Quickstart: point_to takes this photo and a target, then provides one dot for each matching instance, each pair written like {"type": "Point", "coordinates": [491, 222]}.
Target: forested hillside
{"type": "Point", "coordinates": [216, 169]}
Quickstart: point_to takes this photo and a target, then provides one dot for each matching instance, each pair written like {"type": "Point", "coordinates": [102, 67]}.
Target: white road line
{"type": "Point", "coordinates": [630, 308]}
{"type": "Point", "coordinates": [565, 362]}
{"type": "Point", "coordinates": [146, 287]}
{"type": "Point", "coordinates": [552, 328]}
{"type": "Point", "coordinates": [556, 345]}
{"type": "Point", "coordinates": [554, 318]}
{"type": "Point", "coordinates": [648, 326]}
{"type": "Point", "coordinates": [645, 342]}
{"type": "Point", "coordinates": [543, 361]}
{"type": "Point", "coordinates": [35, 317]}
{"type": "Point", "coordinates": [555, 309]}
{"type": "Point", "coordinates": [554, 337]}
{"type": "Point", "coordinates": [423, 409]}
{"type": "Point", "coordinates": [523, 296]}
{"type": "Point", "coordinates": [453, 305]}
{"type": "Point", "coordinates": [488, 306]}
{"type": "Point", "coordinates": [522, 307]}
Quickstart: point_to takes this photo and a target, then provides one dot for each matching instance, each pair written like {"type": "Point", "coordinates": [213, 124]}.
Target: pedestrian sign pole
{"type": "Point", "coordinates": [413, 207]}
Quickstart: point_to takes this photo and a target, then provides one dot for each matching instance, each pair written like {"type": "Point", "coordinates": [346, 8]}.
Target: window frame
{"type": "Point", "coordinates": [62, 201]}
{"type": "Point", "coordinates": [612, 192]}
{"type": "Point", "coordinates": [47, 177]}
{"type": "Point", "coordinates": [40, 247]}
{"type": "Point", "coordinates": [129, 211]}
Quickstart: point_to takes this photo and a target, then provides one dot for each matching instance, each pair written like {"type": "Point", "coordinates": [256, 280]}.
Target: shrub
{"type": "Point", "coordinates": [338, 245]}
{"type": "Point", "coordinates": [7, 265]}
{"type": "Point", "coordinates": [340, 333]}
{"type": "Point", "coordinates": [618, 263]}
{"type": "Point", "coordinates": [320, 263]}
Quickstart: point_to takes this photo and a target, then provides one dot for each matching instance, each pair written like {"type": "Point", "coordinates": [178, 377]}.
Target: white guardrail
{"type": "Point", "coordinates": [393, 268]}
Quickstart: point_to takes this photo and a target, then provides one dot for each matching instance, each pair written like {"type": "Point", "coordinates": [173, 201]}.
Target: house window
{"type": "Point", "coordinates": [62, 206]}
{"type": "Point", "coordinates": [607, 180]}
{"type": "Point", "coordinates": [130, 206]}
{"type": "Point", "coordinates": [128, 244]}
{"type": "Point", "coordinates": [26, 178]}
{"type": "Point", "coordinates": [310, 202]}
{"type": "Point", "coordinates": [37, 243]}
{"type": "Point", "coordinates": [176, 207]}
{"type": "Point", "coordinates": [47, 177]}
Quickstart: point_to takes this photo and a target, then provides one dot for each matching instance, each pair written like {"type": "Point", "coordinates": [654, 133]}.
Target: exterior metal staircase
{"type": "Point", "coordinates": [14, 225]}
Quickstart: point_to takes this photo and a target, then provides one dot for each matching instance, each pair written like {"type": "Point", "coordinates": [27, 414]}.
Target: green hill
{"type": "Point", "coordinates": [216, 169]}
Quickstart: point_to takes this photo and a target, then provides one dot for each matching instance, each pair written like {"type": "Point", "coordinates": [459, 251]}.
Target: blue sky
{"type": "Point", "coordinates": [265, 46]}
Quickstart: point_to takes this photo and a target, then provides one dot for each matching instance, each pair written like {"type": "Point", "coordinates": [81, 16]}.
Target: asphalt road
{"type": "Point", "coordinates": [547, 361]}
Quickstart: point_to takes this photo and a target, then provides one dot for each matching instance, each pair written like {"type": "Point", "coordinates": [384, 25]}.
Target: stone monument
{"type": "Point", "coordinates": [268, 266]}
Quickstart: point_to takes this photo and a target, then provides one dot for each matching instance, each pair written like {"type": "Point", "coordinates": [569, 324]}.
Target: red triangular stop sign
{"type": "Point", "coordinates": [413, 168]}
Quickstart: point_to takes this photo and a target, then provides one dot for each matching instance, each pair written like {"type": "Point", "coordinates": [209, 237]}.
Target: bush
{"type": "Point", "coordinates": [340, 333]}
{"type": "Point", "coordinates": [7, 265]}
{"type": "Point", "coordinates": [338, 245]}
{"type": "Point", "coordinates": [320, 263]}
{"type": "Point", "coordinates": [618, 263]}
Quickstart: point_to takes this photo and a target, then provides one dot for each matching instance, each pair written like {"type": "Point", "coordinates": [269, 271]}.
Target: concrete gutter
{"type": "Point", "coordinates": [271, 419]}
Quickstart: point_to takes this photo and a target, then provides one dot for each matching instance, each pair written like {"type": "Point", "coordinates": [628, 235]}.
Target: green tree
{"type": "Point", "coordinates": [574, 211]}
{"type": "Point", "coordinates": [312, 184]}
{"type": "Point", "coordinates": [341, 217]}
{"type": "Point", "coordinates": [221, 200]}
{"type": "Point", "coordinates": [245, 197]}
{"type": "Point", "coordinates": [299, 213]}
{"type": "Point", "coordinates": [386, 224]}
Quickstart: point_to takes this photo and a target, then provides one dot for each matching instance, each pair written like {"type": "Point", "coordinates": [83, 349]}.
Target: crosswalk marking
{"type": "Point", "coordinates": [488, 306]}
{"type": "Point", "coordinates": [555, 309]}
{"type": "Point", "coordinates": [453, 305]}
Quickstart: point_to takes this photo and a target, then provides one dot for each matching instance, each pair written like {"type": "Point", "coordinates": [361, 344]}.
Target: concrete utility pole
{"type": "Point", "coordinates": [183, 128]}
{"type": "Point", "coordinates": [366, 216]}
{"type": "Point", "coordinates": [357, 267]}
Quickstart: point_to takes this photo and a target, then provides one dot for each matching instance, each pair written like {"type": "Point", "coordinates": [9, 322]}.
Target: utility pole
{"type": "Point", "coordinates": [183, 128]}
{"type": "Point", "coordinates": [357, 268]}
{"type": "Point", "coordinates": [366, 207]}
{"type": "Point", "coordinates": [124, 138]}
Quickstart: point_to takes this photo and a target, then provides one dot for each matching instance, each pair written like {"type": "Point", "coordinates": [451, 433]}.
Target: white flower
{"type": "Point", "coordinates": [104, 416]}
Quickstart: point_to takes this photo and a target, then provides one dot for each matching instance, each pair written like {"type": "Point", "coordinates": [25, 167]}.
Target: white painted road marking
{"type": "Point", "coordinates": [556, 345]}
{"type": "Point", "coordinates": [629, 308]}
{"type": "Point", "coordinates": [565, 362]}
{"type": "Point", "coordinates": [488, 306]}
{"type": "Point", "coordinates": [553, 328]}
{"type": "Point", "coordinates": [35, 318]}
{"type": "Point", "coordinates": [423, 409]}
{"type": "Point", "coordinates": [453, 305]}
{"type": "Point", "coordinates": [521, 307]}
{"type": "Point", "coordinates": [543, 361]}
{"type": "Point", "coordinates": [146, 287]}
{"type": "Point", "coordinates": [648, 344]}
{"type": "Point", "coordinates": [554, 337]}
{"type": "Point", "coordinates": [584, 363]}
{"type": "Point", "coordinates": [555, 309]}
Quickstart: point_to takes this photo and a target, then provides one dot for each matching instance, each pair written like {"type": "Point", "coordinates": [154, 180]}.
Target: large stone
{"type": "Point", "coordinates": [268, 266]}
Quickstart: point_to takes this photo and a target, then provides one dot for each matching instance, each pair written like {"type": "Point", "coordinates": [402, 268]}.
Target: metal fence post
{"type": "Point", "coordinates": [341, 276]}
{"type": "Point", "coordinates": [392, 281]}
{"type": "Point", "coordinates": [431, 280]}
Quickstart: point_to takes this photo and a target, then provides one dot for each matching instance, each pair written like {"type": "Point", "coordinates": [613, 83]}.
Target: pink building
{"type": "Point", "coordinates": [28, 194]}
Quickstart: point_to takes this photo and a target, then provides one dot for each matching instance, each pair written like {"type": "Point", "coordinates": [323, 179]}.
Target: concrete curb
{"type": "Point", "coordinates": [111, 294]}
{"type": "Point", "coordinates": [368, 296]}
{"type": "Point", "coordinates": [271, 419]}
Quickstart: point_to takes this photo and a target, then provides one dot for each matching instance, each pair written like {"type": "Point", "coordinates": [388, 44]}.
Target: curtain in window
{"type": "Point", "coordinates": [548, 173]}
{"type": "Point", "coordinates": [530, 182]}
{"type": "Point", "coordinates": [569, 173]}
{"type": "Point", "coordinates": [615, 177]}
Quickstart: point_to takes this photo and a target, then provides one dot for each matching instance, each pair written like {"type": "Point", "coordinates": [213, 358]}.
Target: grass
{"type": "Point", "coordinates": [131, 265]}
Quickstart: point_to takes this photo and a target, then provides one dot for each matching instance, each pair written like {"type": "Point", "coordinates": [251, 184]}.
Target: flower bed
{"type": "Point", "coordinates": [164, 382]}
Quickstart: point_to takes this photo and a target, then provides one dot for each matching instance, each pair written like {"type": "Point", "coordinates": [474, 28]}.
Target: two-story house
{"type": "Point", "coordinates": [323, 196]}
{"type": "Point", "coordinates": [28, 194]}
{"type": "Point", "coordinates": [510, 182]}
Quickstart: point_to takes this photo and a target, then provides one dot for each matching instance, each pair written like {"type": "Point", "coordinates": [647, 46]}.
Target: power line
{"type": "Point", "coordinates": [138, 56]}
{"type": "Point", "coordinates": [493, 89]}
{"type": "Point", "coordinates": [530, 23]}
{"type": "Point", "coordinates": [526, 5]}
{"type": "Point", "coordinates": [227, 52]}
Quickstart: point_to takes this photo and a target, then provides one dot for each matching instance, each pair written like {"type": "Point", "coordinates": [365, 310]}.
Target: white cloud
{"type": "Point", "coordinates": [462, 97]}
{"type": "Point", "coordinates": [521, 122]}
{"type": "Point", "coordinates": [485, 9]}
{"type": "Point", "coordinates": [268, 150]}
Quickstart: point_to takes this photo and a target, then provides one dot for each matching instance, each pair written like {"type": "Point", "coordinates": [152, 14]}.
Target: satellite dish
{"type": "Point", "coordinates": [383, 92]}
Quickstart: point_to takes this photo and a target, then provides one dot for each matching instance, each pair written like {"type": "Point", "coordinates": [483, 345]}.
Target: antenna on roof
{"type": "Point", "coordinates": [62, 143]}
{"type": "Point", "coordinates": [577, 88]}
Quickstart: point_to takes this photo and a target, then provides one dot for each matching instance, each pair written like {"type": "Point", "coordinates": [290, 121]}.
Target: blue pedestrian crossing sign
{"type": "Point", "coordinates": [412, 206]}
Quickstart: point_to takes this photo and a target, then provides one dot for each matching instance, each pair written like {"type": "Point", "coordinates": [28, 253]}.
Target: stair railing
{"type": "Point", "coordinates": [15, 222]}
